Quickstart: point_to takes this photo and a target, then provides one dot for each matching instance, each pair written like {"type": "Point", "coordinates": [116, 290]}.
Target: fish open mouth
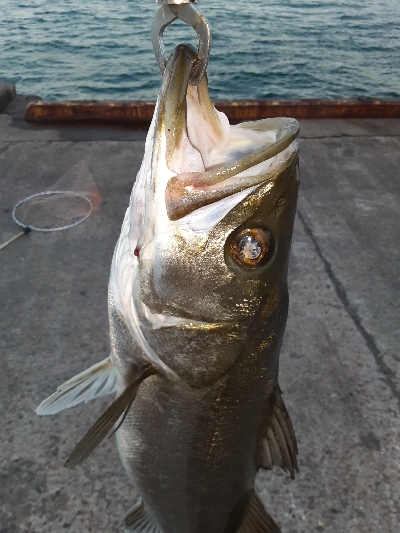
{"type": "Point", "coordinates": [159, 321]}
{"type": "Point", "coordinates": [210, 159]}
{"type": "Point", "coordinates": [201, 166]}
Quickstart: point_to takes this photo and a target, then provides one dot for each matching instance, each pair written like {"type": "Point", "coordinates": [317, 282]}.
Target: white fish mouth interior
{"type": "Point", "coordinates": [206, 218]}
{"type": "Point", "coordinates": [159, 321]}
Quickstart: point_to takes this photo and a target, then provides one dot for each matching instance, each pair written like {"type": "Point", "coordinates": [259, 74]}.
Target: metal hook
{"type": "Point", "coordinates": [192, 17]}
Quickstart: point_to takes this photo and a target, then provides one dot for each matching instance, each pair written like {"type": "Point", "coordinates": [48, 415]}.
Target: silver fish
{"type": "Point", "coordinates": [198, 303]}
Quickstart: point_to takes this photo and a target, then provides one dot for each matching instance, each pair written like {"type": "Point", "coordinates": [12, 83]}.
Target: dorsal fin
{"type": "Point", "coordinates": [279, 446]}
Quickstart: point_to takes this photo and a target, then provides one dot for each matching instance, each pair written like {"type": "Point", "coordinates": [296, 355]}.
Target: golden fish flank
{"type": "Point", "coordinates": [198, 305]}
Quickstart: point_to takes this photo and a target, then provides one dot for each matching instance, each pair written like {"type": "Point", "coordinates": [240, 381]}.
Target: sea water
{"type": "Point", "coordinates": [101, 49]}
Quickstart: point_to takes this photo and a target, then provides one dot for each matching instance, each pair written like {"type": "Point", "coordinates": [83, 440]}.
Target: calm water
{"type": "Point", "coordinates": [101, 49]}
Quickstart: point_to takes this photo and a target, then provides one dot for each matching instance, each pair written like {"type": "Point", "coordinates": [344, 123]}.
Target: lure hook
{"type": "Point", "coordinates": [185, 11]}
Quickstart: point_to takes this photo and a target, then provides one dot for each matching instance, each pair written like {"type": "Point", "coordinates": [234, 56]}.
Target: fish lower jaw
{"type": "Point", "coordinates": [159, 321]}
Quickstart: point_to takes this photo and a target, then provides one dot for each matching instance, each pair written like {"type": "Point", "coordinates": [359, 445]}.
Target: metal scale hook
{"type": "Point", "coordinates": [185, 11]}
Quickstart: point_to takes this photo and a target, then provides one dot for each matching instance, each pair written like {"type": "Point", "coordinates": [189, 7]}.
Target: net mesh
{"type": "Point", "coordinates": [67, 203]}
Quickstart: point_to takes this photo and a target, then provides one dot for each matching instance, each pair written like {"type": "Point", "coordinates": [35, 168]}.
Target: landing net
{"type": "Point", "coordinates": [64, 205]}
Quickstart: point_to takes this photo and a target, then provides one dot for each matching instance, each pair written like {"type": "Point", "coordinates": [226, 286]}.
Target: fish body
{"type": "Point", "coordinates": [198, 295]}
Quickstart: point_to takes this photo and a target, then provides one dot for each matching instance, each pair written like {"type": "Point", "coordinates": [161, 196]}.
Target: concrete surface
{"type": "Point", "coordinates": [7, 94]}
{"type": "Point", "coordinates": [339, 362]}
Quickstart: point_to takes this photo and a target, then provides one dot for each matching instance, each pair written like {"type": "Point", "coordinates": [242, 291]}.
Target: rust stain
{"type": "Point", "coordinates": [141, 112]}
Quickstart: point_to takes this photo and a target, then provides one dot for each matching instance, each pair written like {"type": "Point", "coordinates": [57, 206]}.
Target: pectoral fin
{"type": "Point", "coordinates": [138, 520]}
{"type": "Point", "coordinates": [107, 420]}
{"type": "Point", "coordinates": [98, 380]}
{"type": "Point", "coordinates": [256, 519]}
{"type": "Point", "coordinates": [279, 445]}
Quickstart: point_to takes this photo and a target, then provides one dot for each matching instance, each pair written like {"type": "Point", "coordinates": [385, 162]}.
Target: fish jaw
{"type": "Point", "coordinates": [159, 321]}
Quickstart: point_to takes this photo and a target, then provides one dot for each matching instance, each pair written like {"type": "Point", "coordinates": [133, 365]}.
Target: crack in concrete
{"type": "Point", "coordinates": [387, 373]}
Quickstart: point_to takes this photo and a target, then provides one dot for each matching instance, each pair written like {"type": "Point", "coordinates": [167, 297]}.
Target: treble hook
{"type": "Point", "coordinates": [185, 11]}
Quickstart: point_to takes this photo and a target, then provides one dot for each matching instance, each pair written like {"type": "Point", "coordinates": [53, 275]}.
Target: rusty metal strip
{"type": "Point", "coordinates": [308, 109]}
{"type": "Point", "coordinates": [82, 111]}
{"type": "Point", "coordinates": [141, 111]}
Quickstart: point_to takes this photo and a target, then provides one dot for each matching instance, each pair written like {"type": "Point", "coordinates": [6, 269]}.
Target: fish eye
{"type": "Point", "coordinates": [251, 248]}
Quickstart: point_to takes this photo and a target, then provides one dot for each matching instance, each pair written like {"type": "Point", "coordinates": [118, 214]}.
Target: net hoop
{"type": "Point", "coordinates": [58, 228]}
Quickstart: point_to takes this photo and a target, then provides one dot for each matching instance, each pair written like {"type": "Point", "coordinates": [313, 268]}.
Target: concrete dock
{"type": "Point", "coordinates": [340, 361]}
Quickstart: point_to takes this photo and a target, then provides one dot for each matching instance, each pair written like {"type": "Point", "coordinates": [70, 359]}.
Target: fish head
{"type": "Point", "coordinates": [212, 220]}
